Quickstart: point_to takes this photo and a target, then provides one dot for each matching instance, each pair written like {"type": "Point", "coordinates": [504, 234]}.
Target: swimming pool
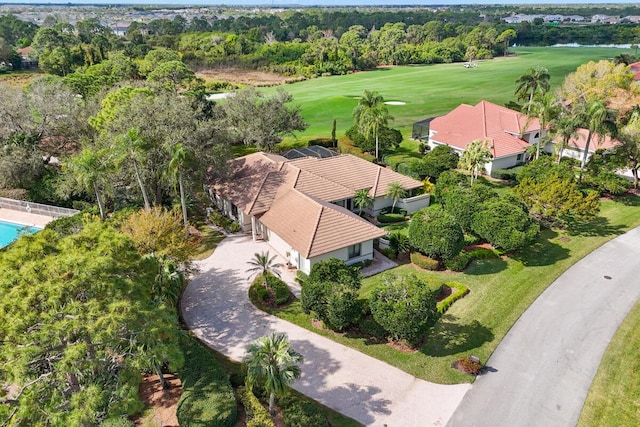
{"type": "Point", "coordinates": [10, 232]}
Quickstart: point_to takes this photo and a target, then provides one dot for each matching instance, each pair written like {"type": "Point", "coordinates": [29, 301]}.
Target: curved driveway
{"type": "Point", "coordinates": [543, 369]}
{"type": "Point", "coordinates": [216, 307]}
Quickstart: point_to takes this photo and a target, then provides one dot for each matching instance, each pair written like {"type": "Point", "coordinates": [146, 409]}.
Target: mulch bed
{"type": "Point", "coordinates": [163, 402]}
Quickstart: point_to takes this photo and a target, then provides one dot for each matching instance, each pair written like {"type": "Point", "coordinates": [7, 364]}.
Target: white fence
{"type": "Point", "coordinates": [36, 208]}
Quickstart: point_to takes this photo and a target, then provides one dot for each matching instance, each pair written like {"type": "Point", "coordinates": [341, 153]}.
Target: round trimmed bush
{"type": "Point", "coordinates": [505, 225]}
{"type": "Point", "coordinates": [436, 233]}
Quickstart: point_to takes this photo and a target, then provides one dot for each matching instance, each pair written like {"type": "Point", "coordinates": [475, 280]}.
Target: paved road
{"type": "Point", "coordinates": [216, 307]}
{"type": "Point", "coordinates": [545, 365]}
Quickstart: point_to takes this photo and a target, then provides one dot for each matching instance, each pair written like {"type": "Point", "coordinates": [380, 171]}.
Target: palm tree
{"type": "Point", "coordinates": [545, 108]}
{"type": "Point", "coordinates": [130, 146]}
{"type": "Point", "coordinates": [88, 169]}
{"type": "Point", "coordinates": [596, 118]}
{"type": "Point", "coordinates": [179, 158]}
{"type": "Point", "coordinates": [534, 81]}
{"type": "Point", "coordinates": [362, 200]}
{"type": "Point", "coordinates": [629, 136]}
{"type": "Point", "coordinates": [370, 115]}
{"type": "Point", "coordinates": [475, 156]}
{"type": "Point", "coordinates": [564, 126]}
{"type": "Point", "coordinates": [272, 359]}
{"type": "Point", "coordinates": [262, 264]}
{"type": "Point", "coordinates": [395, 192]}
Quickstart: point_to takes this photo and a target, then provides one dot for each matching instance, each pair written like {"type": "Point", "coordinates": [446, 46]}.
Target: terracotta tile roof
{"type": "Point", "coordinates": [597, 141]}
{"type": "Point", "coordinates": [499, 125]}
{"type": "Point", "coordinates": [355, 174]}
{"type": "Point", "coordinates": [314, 227]}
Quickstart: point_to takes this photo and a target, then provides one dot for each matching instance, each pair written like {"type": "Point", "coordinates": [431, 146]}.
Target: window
{"type": "Point", "coordinates": [519, 157]}
{"type": "Point", "coordinates": [354, 250]}
{"type": "Point", "coordinates": [536, 136]}
{"type": "Point", "coordinates": [234, 211]}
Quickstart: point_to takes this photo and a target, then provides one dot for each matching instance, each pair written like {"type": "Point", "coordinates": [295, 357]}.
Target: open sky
{"type": "Point", "coordinates": [318, 2]}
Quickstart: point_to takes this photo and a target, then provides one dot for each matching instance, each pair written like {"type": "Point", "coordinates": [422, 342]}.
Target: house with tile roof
{"type": "Point", "coordinates": [576, 145]}
{"type": "Point", "coordinates": [304, 206]}
{"type": "Point", "coordinates": [509, 132]}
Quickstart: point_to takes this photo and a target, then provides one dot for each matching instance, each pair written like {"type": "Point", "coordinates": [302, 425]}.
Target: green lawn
{"type": "Point", "coordinates": [501, 290]}
{"type": "Point", "coordinates": [614, 398]}
{"type": "Point", "coordinates": [428, 90]}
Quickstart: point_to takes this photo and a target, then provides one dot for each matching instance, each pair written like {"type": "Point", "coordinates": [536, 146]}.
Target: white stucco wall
{"type": "Point", "coordinates": [412, 204]}
{"type": "Point", "coordinates": [504, 162]}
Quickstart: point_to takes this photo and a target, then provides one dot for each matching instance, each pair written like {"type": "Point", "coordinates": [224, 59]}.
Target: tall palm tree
{"type": "Point", "coordinates": [475, 156]}
{"type": "Point", "coordinates": [179, 159]}
{"type": "Point", "coordinates": [362, 200]}
{"type": "Point", "coordinates": [566, 127]}
{"type": "Point", "coordinates": [395, 192]}
{"type": "Point", "coordinates": [272, 359]}
{"type": "Point", "coordinates": [129, 147]}
{"type": "Point", "coordinates": [534, 81]}
{"type": "Point", "coordinates": [629, 136]}
{"type": "Point", "coordinates": [262, 264]}
{"type": "Point", "coordinates": [371, 115]}
{"type": "Point", "coordinates": [596, 117]}
{"type": "Point", "coordinates": [88, 169]}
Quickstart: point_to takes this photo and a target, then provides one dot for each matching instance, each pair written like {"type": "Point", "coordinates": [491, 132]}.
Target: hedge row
{"type": "Point", "coordinates": [257, 416]}
{"type": "Point", "coordinates": [391, 218]}
{"type": "Point", "coordinates": [207, 396]}
{"type": "Point", "coordinates": [458, 262]}
{"type": "Point", "coordinates": [461, 290]}
{"type": "Point", "coordinates": [506, 174]}
{"type": "Point", "coordinates": [424, 261]}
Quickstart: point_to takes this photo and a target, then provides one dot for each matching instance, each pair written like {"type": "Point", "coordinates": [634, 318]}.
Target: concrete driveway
{"type": "Point", "coordinates": [216, 307]}
{"type": "Point", "coordinates": [543, 369]}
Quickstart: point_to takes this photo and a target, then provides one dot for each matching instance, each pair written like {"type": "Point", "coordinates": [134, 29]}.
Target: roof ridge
{"type": "Point", "coordinates": [315, 230]}
{"type": "Point", "coordinates": [255, 199]}
{"type": "Point", "coordinates": [377, 181]}
{"type": "Point", "coordinates": [484, 119]}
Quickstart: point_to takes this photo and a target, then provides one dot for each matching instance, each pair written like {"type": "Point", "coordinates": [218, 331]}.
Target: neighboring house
{"type": "Point", "coordinates": [304, 206]}
{"type": "Point", "coordinates": [576, 146]}
{"type": "Point", "coordinates": [635, 69]}
{"type": "Point", "coordinates": [509, 132]}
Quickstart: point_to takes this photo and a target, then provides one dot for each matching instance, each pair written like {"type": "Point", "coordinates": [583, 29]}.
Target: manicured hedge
{"type": "Point", "coordinates": [461, 290]}
{"type": "Point", "coordinates": [346, 146]}
{"type": "Point", "coordinates": [257, 416]}
{"type": "Point", "coordinates": [391, 218]}
{"type": "Point", "coordinates": [458, 262]}
{"type": "Point", "coordinates": [424, 261]}
{"type": "Point", "coordinates": [207, 396]}
{"type": "Point", "coordinates": [298, 413]}
{"type": "Point", "coordinates": [506, 174]}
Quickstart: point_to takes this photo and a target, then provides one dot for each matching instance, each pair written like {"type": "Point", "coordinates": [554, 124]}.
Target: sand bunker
{"type": "Point", "coordinates": [395, 103]}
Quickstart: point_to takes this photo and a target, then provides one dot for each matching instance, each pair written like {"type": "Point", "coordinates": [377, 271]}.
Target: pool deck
{"type": "Point", "coordinates": [24, 218]}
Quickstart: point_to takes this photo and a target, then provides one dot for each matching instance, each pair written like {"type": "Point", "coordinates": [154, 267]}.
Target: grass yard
{"type": "Point", "coordinates": [501, 290]}
{"type": "Point", "coordinates": [428, 90]}
{"type": "Point", "coordinates": [614, 398]}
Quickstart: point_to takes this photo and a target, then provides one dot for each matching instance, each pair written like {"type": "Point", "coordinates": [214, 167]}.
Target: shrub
{"type": "Point", "coordinates": [463, 203]}
{"type": "Point", "coordinates": [482, 253]}
{"type": "Point", "coordinates": [399, 242]}
{"type": "Point", "coordinates": [257, 291]}
{"type": "Point", "coordinates": [435, 162]}
{"type": "Point", "coordinates": [435, 233]}
{"type": "Point", "coordinates": [257, 415]}
{"type": "Point", "coordinates": [505, 225]}
{"type": "Point", "coordinates": [207, 397]}
{"type": "Point", "coordinates": [218, 218]}
{"type": "Point", "coordinates": [335, 270]}
{"type": "Point", "coordinates": [234, 227]}
{"type": "Point", "coordinates": [404, 306]}
{"type": "Point", "coordinates": [67, 225]}
{"type": "Point", "coordinates": [461, 290]}
{"type": "Point", "coordinates": [313, 297]}
{"type": "Point", "coordinates": [302, 414]}
{"type": "Point", "coordinates": [389, 253]}
{"type": "Point", "coordinates": [471, 239]}
{"type": "Point", "coordinates": [391, 218]}
{"type": "Point", "coordinates": [117, 422]}
{"type": "Point", "coordinates": [323, 142]}
{"type": "Point", "coordinates": [346, 146]}
{"type": "Point", "coordinates": [343, 308]}
{"type": "Point", "coordinates": [279, 288]}
{"type": "Point", "coordinates": [396, 210]}
{"type": "Point", "coordinates": [506, 174]}
{"type": "Point", "coordinates": [465, 364]}
{"type": "Point", "coordinates": [458, 262]}
{"type": "Point", "coordinates": [424, 261]}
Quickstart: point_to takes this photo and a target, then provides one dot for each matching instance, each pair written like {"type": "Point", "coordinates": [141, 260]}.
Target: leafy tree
{"type": "Point", "coordinates": [371, 115]}
{"type": "Point", "coordinates": [274, 362]}
{"type": "Point", "coordinates": [395, 192]}
{"type": "Point", "coordinates": [504, 224]}
{"type": "Point", "coordinates": [629, 136]}
{"type": "Point", "coordinates": [335, 270]}
{"type": "Point", "coordinates": [362, 200]}
{"type": "Point", "coordinates": [78, 325]}
{"type": "Point", "coordinates": [404, 306]}
{"type": "Point", "coordinates": [159, 231]}
{"type": "Point", "coordinates": [475, 156]}
{"type": "Point", "coordinates": [543, 168]}
{"type": "Point", "coordinates": [262, 263]}
{"type": "Point", "coordinates": [435, 232]}
{"type": "Point", "coordinates": [439, 159]}
{"type": "Point", "coordinates": [448, 181]}
{"type": "Point", "coordinates": [564, 126]}
{"type": "Point", "coordinates": [556, 199]}
{"type": "Point", "coordinates": [463, 202]}
{"type": "Point", "coordinates": [505, 36]}
{"type": "Point", "coordinates": [155, 58]}
{"type": "Point", "coordinates": [534, 81]}
{"type": "Point", "coordinates": [130, 146]}
{"type": "Point", "coordinates": [257, 119]}
{"type": "Point", "coordinates": [172, 75]}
